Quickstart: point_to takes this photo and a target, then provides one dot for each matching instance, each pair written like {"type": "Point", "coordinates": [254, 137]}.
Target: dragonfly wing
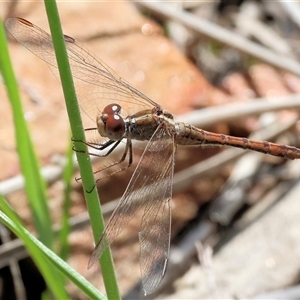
{"type": "Point", "coordinates": [138, 192]}
{"type": "Point", "coordinates": [101, 85]}
{"type": "Point", "coordinates": [156, 222]}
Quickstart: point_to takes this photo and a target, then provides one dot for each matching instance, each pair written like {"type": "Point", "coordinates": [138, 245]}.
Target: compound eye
{"type": "Point", "coordinates": [112, 109]}
{"type": "Point", "coordinates": [115, 127]}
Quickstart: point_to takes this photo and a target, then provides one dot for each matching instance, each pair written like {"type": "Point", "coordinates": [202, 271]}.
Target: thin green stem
{"type": "Point", "coordinates": [44, 258]}
{"type": "Point", "coordinates": [92, 200]}
{"type": "Point", "coordinates": [34, 184]}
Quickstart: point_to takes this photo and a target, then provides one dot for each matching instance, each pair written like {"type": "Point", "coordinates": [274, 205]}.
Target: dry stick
{"type": "Point", "coordinates": [233, 194]}
{"type": "Point", "coordinates": [212, 115]}
{"type": "Point", "coordinates": [14, 266]}
{"type": "Point", "coordinates": [292, 292]}
{"type": "Point", "coordinates": [293, 9]}
{"type": "Point", "coordinates": [248, 22]}
{"type": "Point", "coordinates": [206, 229]}
{"type": "Point", "coordinates": [225, 36]}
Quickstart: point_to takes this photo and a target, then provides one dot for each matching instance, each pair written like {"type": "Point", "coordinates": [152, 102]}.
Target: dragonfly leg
{"type": "Point", "coordinates": [98, 147]}
{"type": "Point", "coordinates": [128, 150]}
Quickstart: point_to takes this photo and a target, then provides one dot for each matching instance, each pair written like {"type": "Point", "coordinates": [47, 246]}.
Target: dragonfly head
{"type": "Point", "coordinates": [110, 123]}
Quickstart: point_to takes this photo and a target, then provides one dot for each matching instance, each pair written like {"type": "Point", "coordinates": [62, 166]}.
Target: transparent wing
{"type": "Point", "coordinates": [151, 182]}
{"type": "Point", "coordinates": [99, 85]}
{"type": "Point", "coordinates": [156, 224]}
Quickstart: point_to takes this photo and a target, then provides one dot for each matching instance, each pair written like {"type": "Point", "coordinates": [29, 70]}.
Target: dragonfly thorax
{"type": "Point", "coordinates": [110, 123]}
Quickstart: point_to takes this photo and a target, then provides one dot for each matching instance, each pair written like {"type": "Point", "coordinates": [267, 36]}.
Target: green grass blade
{"type": "Point", "coordinates": [45, 259]}
{"type": "Point", "coordinates": [34, 184]}
{"type": "Point", "coordinates": [46, 268]}
{"type": "Point", "coordinates": [65, 225]}
{"type": "Point", "coordinates": [92, 199]}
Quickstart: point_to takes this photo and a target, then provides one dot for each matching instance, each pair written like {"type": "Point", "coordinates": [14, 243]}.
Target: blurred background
{"type": "Point", "coordinates": [230, 67]}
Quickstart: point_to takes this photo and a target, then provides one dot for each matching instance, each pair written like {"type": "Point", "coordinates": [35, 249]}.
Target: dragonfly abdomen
{"type": "Point", "coordinates": [190, 135]}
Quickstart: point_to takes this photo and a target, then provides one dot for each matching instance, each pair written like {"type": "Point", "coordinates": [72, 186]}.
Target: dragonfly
{"type": "Point", "coordinates": [119, 112]}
